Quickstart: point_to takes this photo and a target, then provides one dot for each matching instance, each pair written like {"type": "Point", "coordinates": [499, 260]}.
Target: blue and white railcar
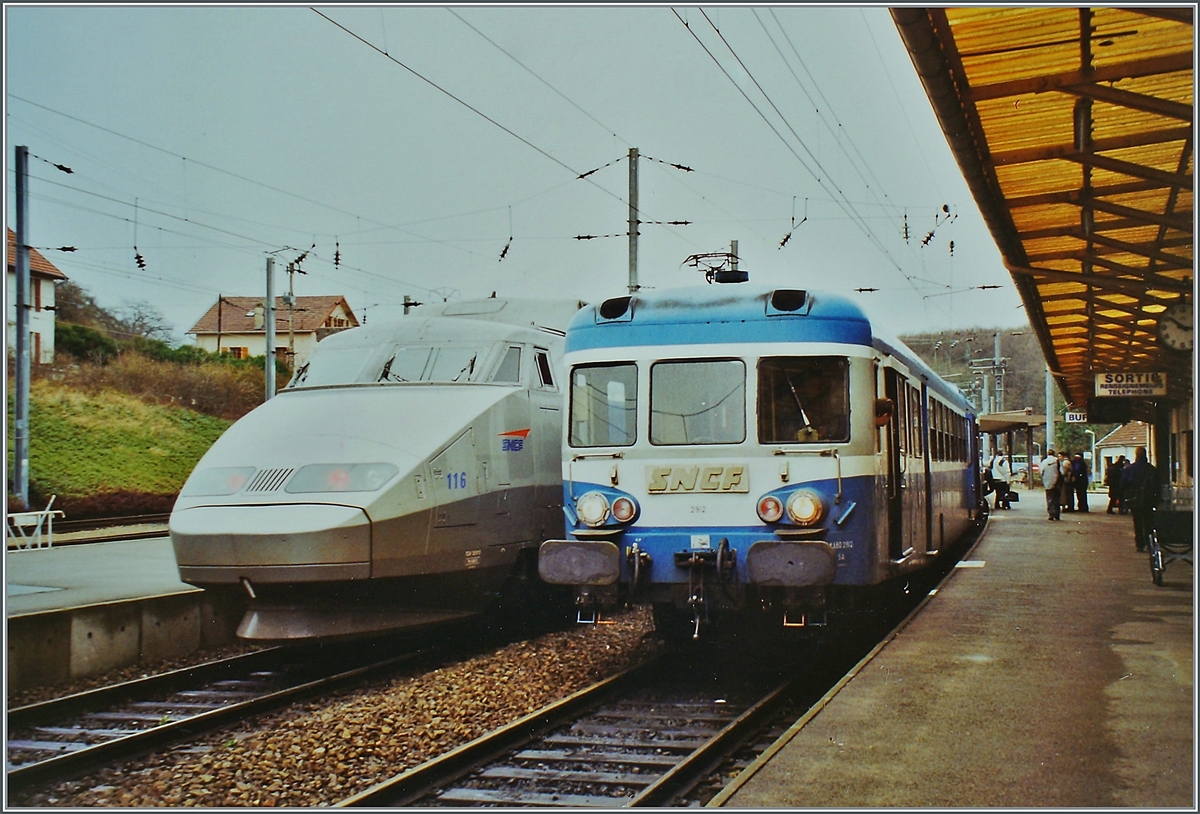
{"type": "Point", "coordinates": [737, 450]}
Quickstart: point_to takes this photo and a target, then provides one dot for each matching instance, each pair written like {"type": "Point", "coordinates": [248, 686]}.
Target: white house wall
{"type": "Point", "coordinates": [255, 343]}
{"type": "Point", "coordinates": [41, 321]}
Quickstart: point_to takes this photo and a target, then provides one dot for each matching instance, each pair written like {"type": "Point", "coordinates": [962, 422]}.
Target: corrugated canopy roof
{"type": "Point", "coordinates": [1074, 130]}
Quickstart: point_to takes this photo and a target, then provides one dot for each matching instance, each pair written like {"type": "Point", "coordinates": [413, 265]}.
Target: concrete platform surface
{"type": "Point", "coordinates": [45, 579]}
{"type": "Point", "coordinates": [79, 610]}
{"type": "Point", "coordinates": [1048, 671]}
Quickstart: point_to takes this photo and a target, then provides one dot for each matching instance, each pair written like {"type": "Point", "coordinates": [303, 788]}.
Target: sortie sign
{"type": "Point", "coordinates": [1135, 385]}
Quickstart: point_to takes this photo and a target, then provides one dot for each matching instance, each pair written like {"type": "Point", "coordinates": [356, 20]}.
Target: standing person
{"type": "Point", "coordinates": [1066, 482]}
{"type": "Point", "coordinates": [1001, 476]}
{"type": "Point", "coordinates": [1050, 478]}
{"type": "Point", "coordinates": [1112, 479]}
{"type": "Point", "coordinates": [1080, 468]}
{"type": "Point", "coordinates": [1139, 487]}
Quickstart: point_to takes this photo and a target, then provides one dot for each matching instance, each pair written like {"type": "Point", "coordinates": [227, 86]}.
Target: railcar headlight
{"type": "Point", "coordinates": [805, 507]}
{"type": "Point", "coordinates": [770, 509]}
{"type": "Point", "coordinates": [592, 509]}
{"type": "Point", "coordinates": [224, 480]}
{"type": "Point", "coordinates": [623, 509]}
{"type": "Point", "coordinates": [341, 477]}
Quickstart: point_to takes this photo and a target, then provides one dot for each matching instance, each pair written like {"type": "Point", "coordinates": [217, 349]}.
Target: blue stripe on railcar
{"type": "Point", "coordinates": [717, 314]}
{"type": "Point", "coordinates": [853, 539]}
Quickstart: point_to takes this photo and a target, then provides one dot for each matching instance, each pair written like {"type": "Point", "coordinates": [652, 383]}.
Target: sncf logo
{"type": "Point", "coordinates": [514, 440]}
{"type": "Point", "coordinates": [668, 479]}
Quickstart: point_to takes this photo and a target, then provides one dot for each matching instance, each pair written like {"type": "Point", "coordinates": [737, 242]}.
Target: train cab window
{"type": "Point", "coordinates": [803, 399]}
{"type": "Point", "coordinates": [542, 360]}
{"type": "Point", "coordinates": [698, 402]}
{"type": "Point", "coordinates": [510, 367]}
{"type": "Point", "coordinates": [454, 364]}
{"type": "Point", "coordinates": [328, 366]}
{"type": "Point", "coordinates": [405, 365]}
{"type": "Point", "coordinates": [603, 404]}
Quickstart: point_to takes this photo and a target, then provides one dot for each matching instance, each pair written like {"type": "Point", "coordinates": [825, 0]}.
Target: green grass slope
{"type": "Point", "coordinates": [83, 445]}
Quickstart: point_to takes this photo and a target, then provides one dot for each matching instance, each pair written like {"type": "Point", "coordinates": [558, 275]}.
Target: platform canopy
{"type": "Point", "coordinates": [1074, 130]}
{"type": "Point", "coordinates": [1000, 423]}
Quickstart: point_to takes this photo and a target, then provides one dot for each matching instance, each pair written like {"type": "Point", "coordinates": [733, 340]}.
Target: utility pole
{"type": "Point", "coordinates": [999, 367]}
{"type": "Point", "coordinates": [291, 304]}
{"type": "Point", "coordinates": [21, 408]}
{"type": "Point", "coordinates": [633, 220]}
{"type": "Point", "coordinates": [220, 308]}
{"type": "Point", "coordinates": [269, 326]}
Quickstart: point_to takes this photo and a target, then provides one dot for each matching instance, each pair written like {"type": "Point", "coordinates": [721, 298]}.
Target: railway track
{"type": "Point", "coordinates": [663, 734]}
{"type": "Point", "coordinates": [668, 733]}
{"type": "Point", "coordinates": [65, 737]}
{"type": "Point", "coordinates": [100, 523]}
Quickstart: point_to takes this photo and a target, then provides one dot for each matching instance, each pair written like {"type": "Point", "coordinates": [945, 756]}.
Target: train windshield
{"type": "Point", "coordinates": [603, 405]}
{"type": "Point", "coordinates": [803, 399]}
{"type": "Point", "coordinates": [397, 364]}
{"type": "Point", "coordinates": [698, 402]}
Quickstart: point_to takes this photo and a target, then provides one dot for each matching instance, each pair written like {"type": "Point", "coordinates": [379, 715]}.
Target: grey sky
{"type": "Point", "coordinates": [212, 136]}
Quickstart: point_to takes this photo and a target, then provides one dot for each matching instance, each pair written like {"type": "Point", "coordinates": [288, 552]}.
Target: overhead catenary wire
{"type": "Point", "coordinates": [839, 197]}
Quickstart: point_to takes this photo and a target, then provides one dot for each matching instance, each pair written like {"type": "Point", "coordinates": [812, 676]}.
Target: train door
{"type": "Point", "coordinates": [896, 455]}
{"type": "Point", "coordinates": [510, 478]}
{"type": "Point", "coordinates": [456, 484]}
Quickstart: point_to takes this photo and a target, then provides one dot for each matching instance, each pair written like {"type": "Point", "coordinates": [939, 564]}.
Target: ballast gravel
{"type": "Point", "coordinates": [317, 753]}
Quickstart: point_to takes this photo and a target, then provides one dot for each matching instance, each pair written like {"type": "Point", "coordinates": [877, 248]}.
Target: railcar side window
{"type": "Point", "coordinates": [510, 367]}
{"type": "Point", "coordinates": [545, 377]}
{"type": "Point", "coordinates": [603, 405]}
{"type": "Point", "coordinates": [698, 402]}
{"type": "Point", "coordinates": [803, 399]}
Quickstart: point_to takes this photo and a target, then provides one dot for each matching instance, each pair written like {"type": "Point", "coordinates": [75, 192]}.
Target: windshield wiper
{"type": "Point", "coordinates": [387, 370]}
{"type": "Point", "coordinates": [300, 376]}
{"type": "Point", "coordinates": [468, 368]}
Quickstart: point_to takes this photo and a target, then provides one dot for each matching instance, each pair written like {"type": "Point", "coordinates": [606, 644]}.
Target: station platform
{"type": "Point", "coordinates": [76, 610]}
{"type": "Point", "coordinates": [1047, 671]}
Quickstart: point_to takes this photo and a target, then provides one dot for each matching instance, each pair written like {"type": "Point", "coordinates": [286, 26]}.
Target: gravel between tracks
{"type": "Point", "coordinates": [317, 753]}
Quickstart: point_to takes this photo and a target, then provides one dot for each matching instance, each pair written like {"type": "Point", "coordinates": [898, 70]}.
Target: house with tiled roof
{"type": "Point", "coordinates": [1124, 440]}
{"type": "Point", "coordinates": [42, 277]}
{"type": "Point", "coordinates": [235, 325]}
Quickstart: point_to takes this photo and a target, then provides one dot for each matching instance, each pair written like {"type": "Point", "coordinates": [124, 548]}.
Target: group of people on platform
{"type": "Point", "coordinates": [1065, 479]}
{"type": "Point", "coordinates": [1132, 488]}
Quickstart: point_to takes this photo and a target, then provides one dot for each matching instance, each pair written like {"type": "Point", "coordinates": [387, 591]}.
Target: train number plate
{"type": "Point", "coordinates": [667, 480]}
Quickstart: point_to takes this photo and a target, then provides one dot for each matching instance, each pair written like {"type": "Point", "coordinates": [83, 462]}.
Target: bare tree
{"type": "Point", "coordinates": [140, 318]}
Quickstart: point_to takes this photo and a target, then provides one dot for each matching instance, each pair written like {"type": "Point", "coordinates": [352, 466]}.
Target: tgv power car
{"type": "Point", "coordinates": [404, 478]}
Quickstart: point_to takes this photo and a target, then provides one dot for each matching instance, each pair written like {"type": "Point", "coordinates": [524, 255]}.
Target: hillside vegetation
{"type": "Point", "coordinates": [110, 453]}
{"type": "Point", "coordinates": [119, 420]}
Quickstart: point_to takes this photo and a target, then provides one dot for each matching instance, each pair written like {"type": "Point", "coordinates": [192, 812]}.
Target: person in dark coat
{"type": "Point", "coordinates": [1139, 489]}
{"type": "Point", "coordinates": [1081, 481]}
{"type": "Point", "coordinates": [1066, 482]}
{"type": "Point", "coordinates": [1112, 479]}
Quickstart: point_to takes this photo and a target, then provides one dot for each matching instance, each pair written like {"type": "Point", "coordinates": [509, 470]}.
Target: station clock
{"type": "Point", "coordinates": [1175, 326]}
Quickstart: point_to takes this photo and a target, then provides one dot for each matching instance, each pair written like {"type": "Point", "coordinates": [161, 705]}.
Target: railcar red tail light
{"type": "Point", "coordinates": [770, 509]}
{"type": "Point", "coordinates": [623, 509]}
